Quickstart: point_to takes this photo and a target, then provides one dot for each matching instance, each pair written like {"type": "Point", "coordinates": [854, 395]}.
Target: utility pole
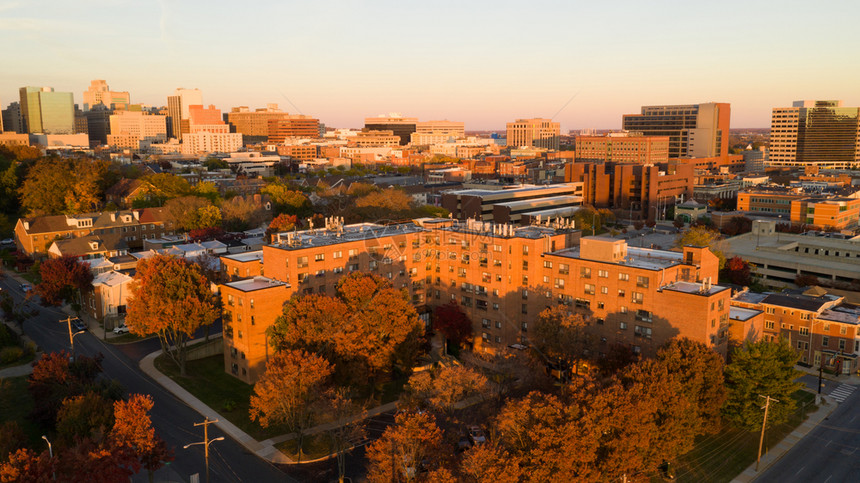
{"type": "Point", "coordinates": [68, 323]}
{"type": "Point", "coordinates": [767, 399]}
{"type": "Point", "coordinates": [206, 442]}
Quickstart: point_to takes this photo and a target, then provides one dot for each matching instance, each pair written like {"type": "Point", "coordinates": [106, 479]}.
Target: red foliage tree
{"type": "Point", "coordinates": [738, 271]}
{"type": "Point", "coordinates": [134, 436]}
{"type": "Point", "coordinates": [206, 234]}
{"type": "Point", "coordinates": [63, 279]}
{"type": "Point", "coordinates": [26, 466]}
{"type": "Point", "coordinates": [450, 320]}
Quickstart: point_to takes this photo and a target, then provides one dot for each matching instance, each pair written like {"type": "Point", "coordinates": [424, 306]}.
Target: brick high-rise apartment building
{"type": "Point", "coordinates": [623, 147]}
{"type": "Point", "coordinates": [502, 276]}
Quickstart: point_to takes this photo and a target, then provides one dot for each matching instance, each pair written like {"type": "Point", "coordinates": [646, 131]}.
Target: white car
{"type": "Point", "coordinates": [122, 329]}
{"type": "Point", "coordinates": [26, 287]}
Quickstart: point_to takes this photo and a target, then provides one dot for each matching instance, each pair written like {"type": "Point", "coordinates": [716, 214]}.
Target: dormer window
{"type": "Point", "coordinates": [85, 223]}
{"type": "Point", "coordinates": [126, 218]}
{"type": "Point", "coordinates": [94, 245]}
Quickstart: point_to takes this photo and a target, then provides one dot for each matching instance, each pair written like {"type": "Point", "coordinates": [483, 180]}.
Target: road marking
{"type": "Point", "coordinates": [798, 471]}
{"type": "Point", "coordinates": [841, 393]}
{"type": "Point", "coordinates": [828, 478]}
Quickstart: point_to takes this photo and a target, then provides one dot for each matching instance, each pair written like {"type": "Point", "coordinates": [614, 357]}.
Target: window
{"type": "Point", "coordinates": [600, 305]}
{"type": "Point", "coordinates": [525, 293]}
{"type": "Point", "coordinates": [770, 310]}
{"type": "Point", "coordinates": [623, 309]}
{"type": "Point", "coordinates": [485, 323]}
{"type": "Point", "coordinates": [603, 273]}
{"type": "Point", "coordinates": [563, 269]}
{"type": "Point", "coordinates": [643, 315]}
{"type": "Point", "coordinates": [825, 341]}
{"type": "Point", "coordinates": [525, 308]}
{"type": "Point", "coordinates": [353, 253]}
{"type": "Point", "coordinates": [641, 331]}
{"type": "Point", "coordinates": [642, 282]}
{"type": "Point", "coordinates": [841, 345]}
{"type": "Point", "coordinates": [338, 254]}
{"type": "Point", "coordinates": [319, 257]}
{"type": "Point", "coordinates": [498, 325]}
{"type": "Point", "coordinates": [585, 272]}
{"type": "Point", "coordinates": [604, 290]}
{"type": "Point", "coordinates": [638, 297]}
{"type": "Point", "coordinates": [622, 325]}
{"type": "Point", "coordinates": [768, 324]}
{"type": "Point", "coordinates": [843, 330]}
{"type": "Point", "coordinates": [589, 289]}
{"type": "Point", "coordinates": [525, 249]}
{"type": "Point", "coordinates": [547, 264]}
{"type": "Point", "coordinates": [559, 283]}
{"type": "Point", "coordinates": [804, 331]}
{"type": "Point", "coordinates": [623, 277]}
{"type": "Point", "coordinates": [582, 303]}
{"type": "Point", "coordinates": [621, 293]}
{"type": "Point", "coordinates": [302, 262]}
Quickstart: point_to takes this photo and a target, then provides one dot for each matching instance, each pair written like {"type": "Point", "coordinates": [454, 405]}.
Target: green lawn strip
{"type": "Point", "coordinates": [723, 456]}
{"type": "Point", "coordinates": [314, 446]}
{"type": "Point", "coordinates": [15, 404]}
{"type": "Point", "coordinates": [26, 359]}
{"type": "Point", "coordinates": [127, 338]}
{"type": "Point", "coordinates": [228, 396]}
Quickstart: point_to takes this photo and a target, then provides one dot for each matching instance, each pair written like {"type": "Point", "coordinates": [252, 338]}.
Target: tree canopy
{"type": "Point", "coordinates": [55, 186]}
{"type": "Point", "coordinates": [63, 279]}
{"type": "Point", "coordinates": [414, 443]}
{"type": "Point", "coordinates": [170, 297]}
{"type": "Point", "coordinates": [287, 201]}
{"type": "Point", "coordinates": [703, 236]}
{"type": "Point", "coordinates": [192, 213]}
{"type": "Point", "coordinates": [453, 323]}
{"type": "Point", "coordinates": [759, 369]}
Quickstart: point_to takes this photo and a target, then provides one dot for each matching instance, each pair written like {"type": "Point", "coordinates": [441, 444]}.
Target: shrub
{"type": "Point", "coordinates": [10, 354]}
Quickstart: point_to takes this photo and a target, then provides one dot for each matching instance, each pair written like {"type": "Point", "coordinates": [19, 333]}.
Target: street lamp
{"type": "Point", "coordinates": [206, 442]}
{"type": "Point", "coordinates": [51, 453]}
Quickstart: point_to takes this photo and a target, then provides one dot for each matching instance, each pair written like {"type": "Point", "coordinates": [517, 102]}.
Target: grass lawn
{"type": "Point", "coordinates": [230, 397]}
{"type": "Point", "coordinates": [723, 456]}
{"type": "Point", "coordinates": [15, 404]}
{"type": "Point", "coordinates": [125, 338]}
{"type": "Point", "coordinates": [20, 362]}
{"type": "Point", "coordinates": [314, 446]}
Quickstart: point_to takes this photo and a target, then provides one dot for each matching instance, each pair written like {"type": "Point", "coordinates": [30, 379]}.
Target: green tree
{"type": "Point", "coordinates": [213, 164]}
{"type": "Point", "coordinates": [702, 236]}
{"type": "Point", "coordinates": [89, 415]}
{"type": "Point", "coordinates": [170, 297]}
{"type": "Point", "coordinates": [287, 201]}
{"type": "Point", "coordinates": [158, 188]}
{"type": "Point", "coordinates": [192, 213]}
{"type": "Point", "coordinates": [241, 213]}
{"type": "Point", "coordinates": [758, 369]}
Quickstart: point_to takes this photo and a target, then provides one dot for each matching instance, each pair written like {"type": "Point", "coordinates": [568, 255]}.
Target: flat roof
{"type": "Point", "coordinates": [646, 258]}
{"type": "Point", "coordinates": [349, 233]}
{"type": "Point", "coordinates": [845, 313]}
{"type": "Point", "coordinates": [256, 283]}
{"type": "Point", "coordinates": [742, 314]}
{"type": "Point", "coordinates": [531, 232]}
{"type": "Point", "coordinates": [694, 288]}
{"type": "Point", "coordinates": [521, 189]}
{"type": "Point", "coordinates": [246, 256]}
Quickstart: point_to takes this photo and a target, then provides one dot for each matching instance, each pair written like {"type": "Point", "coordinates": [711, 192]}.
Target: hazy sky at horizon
{"type": "Point", "coordinates": [484, 63]}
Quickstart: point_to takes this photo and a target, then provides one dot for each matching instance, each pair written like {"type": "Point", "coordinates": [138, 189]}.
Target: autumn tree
{"type": "Point", "coordinates": [287, 201]}
{"type": "Point", "coordinates": [700, 371]}
{"type": "Point", "coordinates": [442, 388]}
{"type": "Point", "coordinates": [156, 189]}
{"type": "Point", "coordinates": [560, 335]}
{"type": "Point", "coordinates": [170, 297]}
{"type": "Point", "coordinates": [54, 379]}
{"type": "Point", "coordinates": [388, 203]}
{"type": "Point", "coordinates": [490, 463]}
{"type": "Point", "coordinates": [453, 323]}
{"type": "Point", "coordinates": [192, 212]}
{"type": "Point", "coordinates": [56, 186]}
{"type": "Point", "coordinates": [806, 280]}
{"type": "Point", "coordinates": [342, 409]}
{"type": "Point", "coordinates": [280, 224]}
{"type": "Point", "coordinates": [63, 280]}
{"type": "Point", "coordinates": [134, 436]}
{"type": "Point", "coordinates": [411, 450]}
{"type": "Point", "coordinates": [362, 330]}
{"type": "Point", "coordinates": [12, 437]}
{"type": "Point", "coordinates": [27, 466]}
{"type": "Point", "coordinates": [703, 236]}
{"type": "Point", "coordinates": [206, 234]}
{"type": "Point", "coordinates": [549, 438]}
{"type": "Point", "coordinates": [758, 369]}
{"type": "Point", "coordinates": [88, 415]}
{"type": "Point", "coordinates": [289, 391]}
{"type": "Point", "coordinates": [242, 213]}
{"type": "Point", "coordinates": [737, 271]}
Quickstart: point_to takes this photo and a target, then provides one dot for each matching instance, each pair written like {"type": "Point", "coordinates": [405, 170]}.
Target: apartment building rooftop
{"type": "Point", "coordinates": [255, 283]}
{"type": "Point", "coordinates": [646, 258]}
{"type": "Point", "coordinates": [246, 256]}
{"type": "Point", "coordinates": [704, 288]}
{"type": "Point", "coordinates": [801, 302]}
{"type": "Point", "coordinates": [335, 232]}
{"type": "Point", "coordinates": [505, 230]}
{"type": "Point", "coordinates": [742, 314]}
{"type": "Point", "coordinates": [509, 191]}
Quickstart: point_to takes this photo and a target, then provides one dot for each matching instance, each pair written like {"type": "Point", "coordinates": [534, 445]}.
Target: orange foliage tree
{"type": "Point", "coordinates": [444, 387]}
{"type": "Point", "coordinates": [413, 449]}
{"type": "Point", "coordinates": [289, 391]}
{"type": "Point", "coordinates": [368, 324]}
{"type": "Point", "coordinates": [170, 298]}
{"type": "Point", "coordinates": [134, 436]}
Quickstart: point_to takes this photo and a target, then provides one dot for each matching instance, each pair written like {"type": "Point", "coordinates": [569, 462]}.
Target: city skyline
{"type": "Point", "coordinates": [485, 64]}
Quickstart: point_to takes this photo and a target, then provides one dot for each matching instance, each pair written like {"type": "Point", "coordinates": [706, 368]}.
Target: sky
{"type": "Point", "coordinates": [584, 64]}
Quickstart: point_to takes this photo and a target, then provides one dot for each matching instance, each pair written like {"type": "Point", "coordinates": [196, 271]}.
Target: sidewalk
{"type": "Point", "coordinates": [827, 406]}
{"type": "Point", "coordinates": [264, 449]}
{"type": "Point", "coordinates": [16, 371]}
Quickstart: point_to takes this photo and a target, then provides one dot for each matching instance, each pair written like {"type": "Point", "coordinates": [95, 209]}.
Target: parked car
{"type": "Point", "coordinates": [26, 287]}
{"type": "Point", "coordinates": [476, 435]}
{"type": "Point", "coordinates": [122, 329]}
{"type": "Point", "coordinates": [78, 325]}
{"type": "Point", "coordinates": [7, 242]}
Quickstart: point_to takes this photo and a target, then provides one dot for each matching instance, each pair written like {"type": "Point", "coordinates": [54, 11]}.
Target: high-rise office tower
{"type": "Point", "coordinates": [822, 133]}
{"type": "Point", "coordinates": [47, 112]}
{"type": "Point", "coordinates": [100, 93]}
{"type": "Point", "coordinates": [694, 130]}
{"type": "Point", "coordinates": [13, 121]}
{"type": "Point", "coordinates": [177, 108]}
{"type": "Point", "coordinates": [539, 133]}
{"type": "Point", "coordinates": [402, 127]}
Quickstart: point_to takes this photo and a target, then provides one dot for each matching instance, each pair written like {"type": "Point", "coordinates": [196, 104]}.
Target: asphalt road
{"type": "Point", "coordinates": [830, 453]}
{"type": "Point", "coordinates": [173, 419]}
